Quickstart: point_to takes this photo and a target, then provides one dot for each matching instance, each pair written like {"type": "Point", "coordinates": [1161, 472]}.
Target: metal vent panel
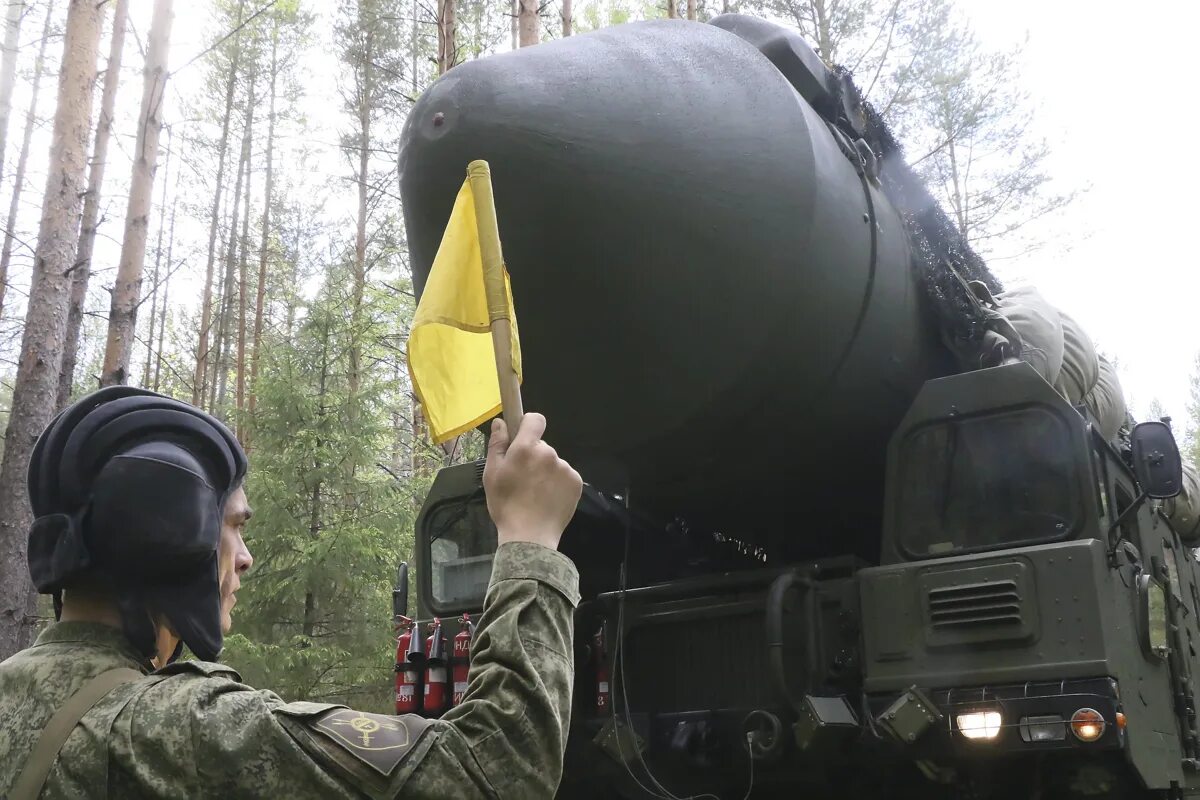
{"type": "Point", "coordinates": [975, 605]}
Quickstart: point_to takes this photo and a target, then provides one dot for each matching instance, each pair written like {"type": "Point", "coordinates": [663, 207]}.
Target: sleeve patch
{"type": "Point", "coordinates": [381, 742]}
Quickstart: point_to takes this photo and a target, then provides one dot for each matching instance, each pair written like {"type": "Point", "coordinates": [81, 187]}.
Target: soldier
{"type": "Point", "coordinates": [139, 510]}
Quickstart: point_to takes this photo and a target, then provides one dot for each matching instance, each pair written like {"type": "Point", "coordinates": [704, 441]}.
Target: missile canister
{"type": "Point", "coordinates": [715, 303]}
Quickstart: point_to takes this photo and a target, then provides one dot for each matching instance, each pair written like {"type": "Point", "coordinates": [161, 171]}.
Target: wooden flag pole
{"type": "Point", "coordinates": [496, 289]}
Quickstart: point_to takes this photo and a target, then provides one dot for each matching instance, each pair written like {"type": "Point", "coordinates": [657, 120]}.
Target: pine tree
{"type": "Point", "coordinates": [229, 74]}
{"type": "Point", "coordinates": [268, 189]}
{"type": "Point", "coordinates": [127, 292]}
{"type": "Point", "coordinates": [8, 67]}
{"type": "Point", "coordinates": [35, 391]}
{"type": "Point", "coordinates": [956, 105]}
{"type": "Point", "coordinates": [370, 39]}
{"type": "Point", "coordinates": [528, 22]}
{"type": "Point", "coordinates": [969, 135]}
{"type": "Point", "coordinates": [312, 625]}
{"type": "Point", "coordinates": [447, 25]}
{"type": "Point", "coordinates": [91, 204]}
{"type": "Point", "coordinates": [23, 159]}
{"type": "Point", "coordinates": [158, 271]}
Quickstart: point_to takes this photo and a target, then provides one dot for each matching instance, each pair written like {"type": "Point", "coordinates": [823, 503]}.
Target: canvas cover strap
{"type": "Point", "coordinates": [54, 735]}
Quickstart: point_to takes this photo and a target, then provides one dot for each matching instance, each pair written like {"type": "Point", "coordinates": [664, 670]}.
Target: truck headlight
{"type": "Point", "coordinates": [1087, 724]}
{"type": "Point", "coordinates": [979, 724]}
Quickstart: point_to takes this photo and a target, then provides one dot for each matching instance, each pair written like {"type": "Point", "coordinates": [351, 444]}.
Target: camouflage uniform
{"type": "Point", "coordinates": [193, 730]}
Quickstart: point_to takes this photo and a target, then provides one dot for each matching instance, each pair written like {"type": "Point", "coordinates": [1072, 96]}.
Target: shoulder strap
{"type": "Point", "coordinates": [37, 767]}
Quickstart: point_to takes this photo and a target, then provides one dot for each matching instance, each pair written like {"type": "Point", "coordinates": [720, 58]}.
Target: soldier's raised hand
{"type": "Point", "coordinates": [531, 492]}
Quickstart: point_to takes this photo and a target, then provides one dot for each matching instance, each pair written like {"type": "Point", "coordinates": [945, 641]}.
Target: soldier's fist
{"type": "Point", "coordinates": [531, 492]}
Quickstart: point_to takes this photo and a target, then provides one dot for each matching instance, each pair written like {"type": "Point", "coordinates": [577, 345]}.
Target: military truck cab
{"type": "Point", "coordinates": [1032, 594]}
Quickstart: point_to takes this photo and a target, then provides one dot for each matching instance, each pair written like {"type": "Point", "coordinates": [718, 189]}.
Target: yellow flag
{"type": "Point", "coordinates": [451, 357]}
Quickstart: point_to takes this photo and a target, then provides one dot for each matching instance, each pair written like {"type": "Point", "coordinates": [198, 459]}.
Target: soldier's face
{"type": "Point", "coordinates": [233, 557]}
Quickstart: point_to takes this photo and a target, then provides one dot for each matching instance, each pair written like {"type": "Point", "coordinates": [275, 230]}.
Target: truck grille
{"type": "Point", "coordinates": [978, 604]}
{"type": "Point", "coordinates": [974, 605]}
{"type": "Point", "coordinates": [718, 662]}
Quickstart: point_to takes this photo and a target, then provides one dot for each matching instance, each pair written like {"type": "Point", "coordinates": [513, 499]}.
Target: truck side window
{"type": "Point", "coordinates": [462, 544]}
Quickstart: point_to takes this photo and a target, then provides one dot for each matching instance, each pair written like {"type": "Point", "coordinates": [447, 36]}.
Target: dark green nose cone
{"type": "Point", "coordinates": [713, 305]}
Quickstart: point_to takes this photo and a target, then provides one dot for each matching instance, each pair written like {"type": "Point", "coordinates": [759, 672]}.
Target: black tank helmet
{"type": "Point", "coordinates": [129, 486]}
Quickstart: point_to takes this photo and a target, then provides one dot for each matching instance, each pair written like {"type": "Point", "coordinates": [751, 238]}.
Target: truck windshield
{"type": "Point", "coordinates": [985, 482]}
{"type": "Point", "coordinates": [462, 543]}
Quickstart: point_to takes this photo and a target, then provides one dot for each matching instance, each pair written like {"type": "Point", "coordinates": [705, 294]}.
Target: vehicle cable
{"type": "Point", "coordinates": [663, 792]}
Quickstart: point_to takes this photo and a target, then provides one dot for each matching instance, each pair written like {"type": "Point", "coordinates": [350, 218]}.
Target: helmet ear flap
{"type": "Point", "coordinates": [57, 552]}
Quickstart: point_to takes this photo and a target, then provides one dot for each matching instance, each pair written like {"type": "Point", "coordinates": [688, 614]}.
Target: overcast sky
{"type": "Point", "coordinates": [1108, 98]}
{"type": "Point", "coordinates": [1116, 99]}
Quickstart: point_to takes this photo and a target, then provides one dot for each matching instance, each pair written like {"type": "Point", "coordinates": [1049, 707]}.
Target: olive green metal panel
{"type": "Point", "coordinates": [1058, 611]}
{"type": "Point", "coordinates": [1158, 750]}
{"type": "Point", "coordinates": [1001, 617]}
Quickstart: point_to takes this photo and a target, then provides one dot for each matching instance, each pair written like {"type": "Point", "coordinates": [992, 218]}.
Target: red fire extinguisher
{"type": "Point", "coordinates": [408, 673]}
{"type": "Point", "coordinates": [435, 671]}
{"type": "Point", "coordinates": [462, 657]}
{"type": "Point", "coordinates": [603, 697]}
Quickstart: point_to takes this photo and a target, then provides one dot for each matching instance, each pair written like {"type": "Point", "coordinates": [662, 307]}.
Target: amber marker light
{"type": "Point", "coordinates": [1087, 724]}
{"type": "Point", "coordinates": [1120, 720]}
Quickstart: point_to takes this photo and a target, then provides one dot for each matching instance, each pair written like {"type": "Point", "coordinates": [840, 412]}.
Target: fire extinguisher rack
{"type": "Point", "coordinates": [431, 678]}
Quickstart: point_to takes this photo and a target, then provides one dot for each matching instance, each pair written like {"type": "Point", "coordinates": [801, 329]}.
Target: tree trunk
{"type": "Point", "coordinates": [724, 6]}
{"type": "Point", "coordinates": [36, 389]}
{"type": "Point", "coordinates": [91, 204]}
{"type": "Point", "coordinates": [240, 397]}
{"type": "Point", "coordinates": [958, 207]}
{"type": "Point", "coordinates": [8, 68]}
{"type": "Point", "coordinates": [566, 15]}
{"type": "Point", "coordinates": [221, 373]}
{"type": "Point", "coordinates": [516, 28]}
{"type": "Point", "coordinates": [219, 298]}
{"type": "Point", "coordinates": [294, 260]}
{"type": "Point", "coordinates": [823, 19]}
{"type": "Point", "coordinates": [672, 9]}
{"type": "Point", "coordinates": [19, 178]}
{"type": "Point", "coordinates": [162, 318]}
{"type": "Point", "coordinates": [162, 224]}
{"type": "Point", "coordinates": [201, 375]}
{"type": "Point", "coordinates": [447, 36]}
{"type": "Point", "coordinates": [314, 511]}
{"type": "Point", "coordinates": [529, 22]}
{"type": "Point", "coordinates": [365, 93]}
{"type": "Point", "coordinates": [122, 316]}
{"type": "Point", "coordinates": [261, 289]}
{"type": "Point", "coordinates": [416, 40]}
{"type": "Point", "coordinates": [691, 10]}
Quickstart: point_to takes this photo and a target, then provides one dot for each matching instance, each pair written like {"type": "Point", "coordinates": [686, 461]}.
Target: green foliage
{"type": "Point", "coordinates": [314, 619]}
{"type": "Point", "coordinates": [1189, 445]}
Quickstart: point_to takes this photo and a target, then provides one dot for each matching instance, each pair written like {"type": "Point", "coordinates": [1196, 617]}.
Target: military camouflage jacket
{"type": "Point", "coordinates": [194, 730]}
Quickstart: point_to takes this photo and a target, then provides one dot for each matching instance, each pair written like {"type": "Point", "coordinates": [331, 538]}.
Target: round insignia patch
{"type": "Point", "coordinates": [379, 741]}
